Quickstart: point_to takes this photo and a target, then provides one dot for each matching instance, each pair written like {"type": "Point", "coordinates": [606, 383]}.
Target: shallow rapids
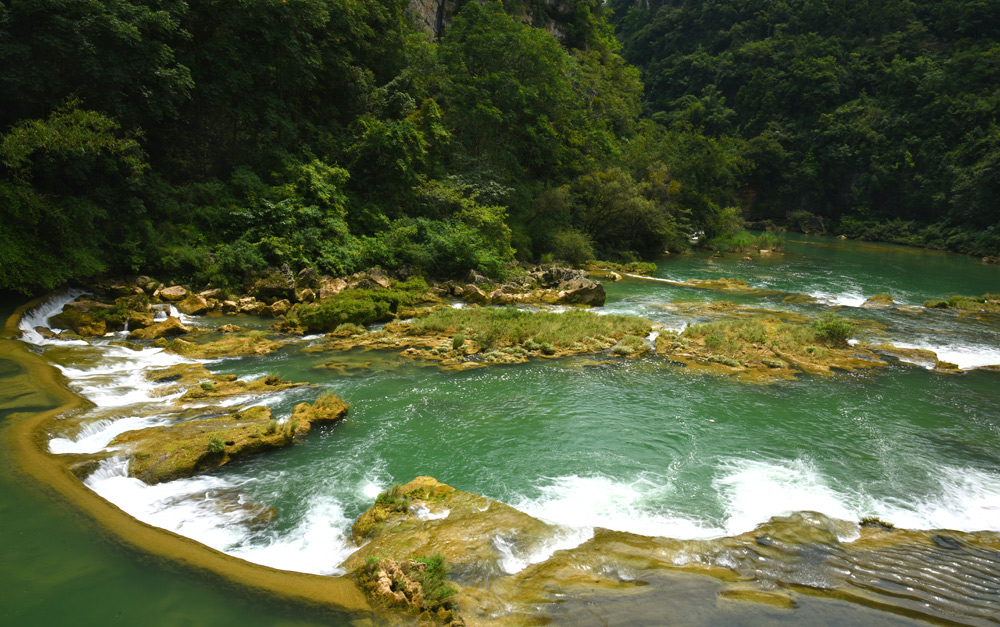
{"type": "Point", "coordinates": [630, 445]}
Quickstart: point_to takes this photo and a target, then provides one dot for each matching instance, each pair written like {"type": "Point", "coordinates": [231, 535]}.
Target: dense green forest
{"type": "Point", "coordinates": [879, 116]}
{"type": "Point", "coordinates": [206, 141]}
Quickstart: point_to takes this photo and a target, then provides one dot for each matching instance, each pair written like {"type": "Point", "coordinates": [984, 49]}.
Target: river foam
{"type": "Point", "coordinates": [965, 356]}
{"type": "Point", "coordinates": [216, 512]}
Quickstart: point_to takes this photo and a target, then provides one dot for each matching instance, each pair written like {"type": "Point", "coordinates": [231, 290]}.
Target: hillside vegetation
{"type": "Point", "coordinates": [880, 117]}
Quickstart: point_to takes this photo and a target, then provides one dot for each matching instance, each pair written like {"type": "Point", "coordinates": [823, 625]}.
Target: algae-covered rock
{"type": "Point", "coordinates": [879, 301]}
{"type": "Point", "coordinates": [86, 318]}
{"type": "Point", "coordinates": [418, 586]}
{"type": "Point", "coordinates": [234, 345]}
{"type": "Point", "coordinates": [479, 538]}
{"type": "Point", "coordinates": [916, 356]}
{"type": "Point", "coordinates": [168, 328]}
{"type": "Point", "coordinates": [215, 388]}
{"type": "Point", "coordinates": [277, 285]}
{"type": "Point", "coordinates": [193, 305]}
{"type": "Point", "coordinates": [472, 294]}
{"type": "Point", "coordinates": [159, 454]}
{"type": "Point", "coordinates": [172, 294]}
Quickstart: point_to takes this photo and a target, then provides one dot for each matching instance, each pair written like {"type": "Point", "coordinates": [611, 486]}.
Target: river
{"type": "Point", "coordinates": [633, 445]}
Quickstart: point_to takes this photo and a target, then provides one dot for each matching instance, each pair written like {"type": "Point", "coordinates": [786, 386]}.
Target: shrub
{"type": "Point", "coordinates": [722, 359]}
{"type": "Point", "coordinates": [208, 386]}
{"type": "Point", "coordinates": [457, 342]}
{"type": "Point", "coordinates": [875, 521]}
{"type": "Point", "coordinates": [630, 345]}
{"type": "Point", "coordinates": [573, 247]}
{"type": "Point", "coordinates": [272, 426]}
{"type": "Point", "coordinates": [216, 446]}
{"type": "Point", "coordinates": [394, 499]}
{"type": "Point", "coordinates": [357, 306]}
{"type": "Point", "coordinates": [434, 580]}
{"type": "Point", "coordinates": [833, 330]}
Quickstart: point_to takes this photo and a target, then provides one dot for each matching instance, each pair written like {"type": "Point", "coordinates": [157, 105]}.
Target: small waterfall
{"type": "Point", "coordinates": [39, 315]}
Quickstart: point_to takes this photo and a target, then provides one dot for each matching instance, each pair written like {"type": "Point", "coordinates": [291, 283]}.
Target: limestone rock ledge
{"type": "Point", "coordinates": [159, 454]}
{"type": "Point", "coordinates": [506, 571]}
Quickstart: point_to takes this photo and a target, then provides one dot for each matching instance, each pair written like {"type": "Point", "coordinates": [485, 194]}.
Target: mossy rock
{"type": "Point", "coordinates": [171, 452]}
{"type": "Point", "coordinates": [438, 519]}
{"type": "Point", "coordinates": [170, 327]}
{"type": "Point", "coordinates": [227, 388]}
{"type": "Point", "coordinates": [234, 345]}
{"type": "Point", "coordinates": [879, 301]}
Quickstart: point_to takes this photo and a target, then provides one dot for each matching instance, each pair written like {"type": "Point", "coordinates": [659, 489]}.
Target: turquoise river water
{"type": "Point", "coordinates": [633, 445]}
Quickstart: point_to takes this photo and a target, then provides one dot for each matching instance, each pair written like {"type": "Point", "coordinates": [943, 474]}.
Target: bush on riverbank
{"type": "Point", "coordinates": [746, 242]}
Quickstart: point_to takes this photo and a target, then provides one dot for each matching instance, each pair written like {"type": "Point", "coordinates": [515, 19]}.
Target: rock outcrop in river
{"type": "Point", "coordinates": [165, 453]}
{"type": "Point", "coordinates": [508, 572]}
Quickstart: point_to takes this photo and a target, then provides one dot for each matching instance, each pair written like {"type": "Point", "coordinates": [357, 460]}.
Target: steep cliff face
{"type": "Point", "coordinates": [553, 15]}
{"type": "Point", "coordinates": [434, 15]}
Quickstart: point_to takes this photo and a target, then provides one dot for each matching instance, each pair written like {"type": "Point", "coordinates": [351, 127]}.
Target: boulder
{"type": "Point", "coordinates": [502, 298]}
{"type": "Point", "coordinates": [330, 287]}
{"type": "Point", "coordinates": [172, 294]}
{"type": "Point", "coordinates": [476, 535]}
{"type": "Point", "coordinates": [209, 294]}
{"type": "Point", "coordinates": [193, 305]}
{"type": "Point", "coordinates": [168, 328]}
{"type": "Point", "coordinates": [473, 295]}
{"type": "Point", "coordinates": [230, 306]}
{"type": "Point", "coordinates": [375, 275]}
{"type": "Point", "coordinates": [229, 328]}
{"type": "Point", "coordinates": [278, 285]}
{"type": "Point", "coordinates": [879, 301]}
{"type": "Point", "coordinates": [140, 320]}
{"type": "Point", "coordinates": [307, 277]}
{"type": "Point", "coordinates": [45, 332]}
{"type": "Point", "coordinates": [278, 309]}
{"type": "Point", "coordinates": [582, 292]}
{"type": "Point", "coordinates": [85, 318]}
{"type": "Point", "coordinates": [475, 278]}
{"type": "Point", "coordinates": [248, 305]}
{"type": "Point", "coordinates": [305, 295]}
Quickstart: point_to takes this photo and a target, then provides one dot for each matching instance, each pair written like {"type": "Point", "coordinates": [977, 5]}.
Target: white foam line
{"type": "Point", "coordinates": [587, 502]}
{"type": "Point", "coordinates": [186, 506]}
{"type": "Point", "coordinates": [964, 356]}
{"type": "Point", "coordinates": [847, 299]}
{"type": "Point", "coordinates": [96, 436]}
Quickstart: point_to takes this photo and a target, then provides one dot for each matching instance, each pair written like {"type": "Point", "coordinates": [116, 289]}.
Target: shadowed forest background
{"type": "Point", "coordinates": [206, 141]}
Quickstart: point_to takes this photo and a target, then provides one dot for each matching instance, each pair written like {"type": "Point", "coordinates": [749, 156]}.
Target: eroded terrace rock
{"type": "Point", "coordinates": [159, 454]}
